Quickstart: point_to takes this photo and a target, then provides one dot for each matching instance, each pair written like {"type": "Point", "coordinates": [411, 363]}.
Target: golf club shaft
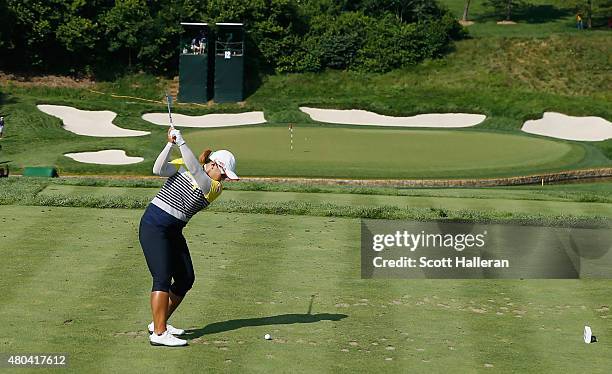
{"type": "Point", "coordinates": [168, 100]}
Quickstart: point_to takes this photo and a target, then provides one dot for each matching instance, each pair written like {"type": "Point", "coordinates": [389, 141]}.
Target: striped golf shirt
{"type": "Point", "coordinates": [181, 196]}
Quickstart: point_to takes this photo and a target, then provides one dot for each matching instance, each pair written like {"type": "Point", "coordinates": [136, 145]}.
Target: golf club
{"type": "Point", "coordinates": [169, 102]}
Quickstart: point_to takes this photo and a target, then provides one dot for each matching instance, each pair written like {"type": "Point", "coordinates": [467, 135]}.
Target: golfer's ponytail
{"type": "Point", "coordinates": [204, 157]}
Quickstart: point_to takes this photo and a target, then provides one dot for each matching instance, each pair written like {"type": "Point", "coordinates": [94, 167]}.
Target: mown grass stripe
{"type": "Point", "coordinates": [58, 309]}
{"type": "Point", "coordinates": [257, 301]}
{"type": "Point", "coordinates": [125, 294]}
{"type": "Point", "coordinates": [42, 232]}
{"type": "Point", "coordinates": [492, 339]}
{"type": "Point", "coordinates": [314, 270]}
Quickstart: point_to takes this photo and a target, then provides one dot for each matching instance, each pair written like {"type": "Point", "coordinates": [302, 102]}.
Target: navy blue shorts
{"type": "Point", "coordinates": [166, 252]}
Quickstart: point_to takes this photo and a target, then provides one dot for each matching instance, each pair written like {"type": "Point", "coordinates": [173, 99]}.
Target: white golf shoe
{"type": "Point", "coordinates": [171, 329]}
{"type": "Point", "coordinates": [166, 339]}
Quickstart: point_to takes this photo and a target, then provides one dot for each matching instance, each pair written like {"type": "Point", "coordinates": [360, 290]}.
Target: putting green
{"type": "Point", "coordinates": [386, 153]}
{"type": "Point", "coordinates": [81, 286]}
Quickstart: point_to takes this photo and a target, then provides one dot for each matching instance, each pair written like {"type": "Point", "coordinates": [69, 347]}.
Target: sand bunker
{"type": "Point", "coordinates": [106, 157]}
{"type": "Point", "coordinates": [362, 117]}
{"type": "Point", "coordinates": [89, 123]}
{"type": "Point", "coordinates": [561, 126]}
{"type": "Point", "coordinates": [208, 120]}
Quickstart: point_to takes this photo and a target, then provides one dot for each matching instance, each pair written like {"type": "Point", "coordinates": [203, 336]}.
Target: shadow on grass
{"type": "Point", "coordinates": [281, 319]}
{"type": "Point", "coordinates": [541, 13]}
{"type": "Point", "coordinates": [529, 13]}
{"type": "Point", "coordinates": [5, 99]}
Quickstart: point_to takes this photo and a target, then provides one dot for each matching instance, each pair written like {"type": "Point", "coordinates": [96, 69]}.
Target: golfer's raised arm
{"type": "Point", "coordinates": [161, 166]}
{"type": "Point", "coordinates": [194, 167]}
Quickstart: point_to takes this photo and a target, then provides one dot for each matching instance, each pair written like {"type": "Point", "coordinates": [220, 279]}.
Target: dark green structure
{"type": "Point", "coordinates": [40, 171]}
{"type": "Point", "coordinates": [229, 63]}
{"type": "Point", "coordinates": [194, 63]}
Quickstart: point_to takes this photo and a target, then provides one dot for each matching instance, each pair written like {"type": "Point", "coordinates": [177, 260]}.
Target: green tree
{"type": "Point", "coordinates": [79, 30]}
{"type": "Point", "coordinates": [286, 35]}
{"type": "Point", "coordinates": [5, 26]}
{"type": "Point", "coordinates": [466, 10]}
{"type": "Point", "coordinates": [313, 8]}
{"type": "Point", "coordinates": [78, 34]}
{"type": "Point", "coordinates": [504, 6]}
{"type": "Point", "coordinates": [125, 24]}
{"type": "Point", "coordinates": [404, 10]}
{"type": "Point", "coordinates": [335, 41]}
{"type": "Point", "coordinates": [271, 25]}
{"type": "Point", "coordinates": [158, 44]}
{"type": "Point", "coordinates": [33, 31]}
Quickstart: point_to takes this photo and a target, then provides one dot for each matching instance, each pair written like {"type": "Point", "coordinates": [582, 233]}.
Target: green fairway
{"type": "Point", "coordinates": [83, 289]}
{"type": "Point", "coordinates": [482, 203]}
{"type": "Point", "coordinates": [387, 153]}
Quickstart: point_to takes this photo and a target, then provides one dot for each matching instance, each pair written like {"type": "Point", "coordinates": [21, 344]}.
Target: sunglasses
{"type": "Point", "coordinates": [223, 175]}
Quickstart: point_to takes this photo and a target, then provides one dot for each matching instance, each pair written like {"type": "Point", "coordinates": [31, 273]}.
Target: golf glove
{"type": "Point", "coordinates": [178, 138]}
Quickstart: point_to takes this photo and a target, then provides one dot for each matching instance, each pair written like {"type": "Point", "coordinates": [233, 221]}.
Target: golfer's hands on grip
{"type": "Point", "coordinates": [174, 136]}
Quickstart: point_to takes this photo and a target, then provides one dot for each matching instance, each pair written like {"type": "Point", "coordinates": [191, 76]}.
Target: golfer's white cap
{"type": "Point", "coordinates": [226, 161]}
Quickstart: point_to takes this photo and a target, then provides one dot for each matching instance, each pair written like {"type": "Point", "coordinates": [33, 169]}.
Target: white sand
{"type": "Point", "coordinates": [561, 126]}
{"type": "Point", "coordinates": [89, 123]}
{"type": "Point", "coordinates": [106, 157]}
{"type": "Point", "coordinates": [362, 117]}
{"type": "Point", "coordinates": [208, 120]}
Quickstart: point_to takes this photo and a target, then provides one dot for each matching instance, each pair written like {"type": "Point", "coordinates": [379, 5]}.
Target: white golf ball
{"type": "Point", "coordinates": [268, 337]}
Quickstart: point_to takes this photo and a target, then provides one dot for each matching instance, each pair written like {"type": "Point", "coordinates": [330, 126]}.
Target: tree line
{"type": "Point", "coordinates": [97, 37]}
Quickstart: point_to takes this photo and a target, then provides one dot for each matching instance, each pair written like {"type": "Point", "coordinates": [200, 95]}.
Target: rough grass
{"type": "Point", "coordinates": [39, 192]}
{"type": "Point", "coordinates": [599, 192]}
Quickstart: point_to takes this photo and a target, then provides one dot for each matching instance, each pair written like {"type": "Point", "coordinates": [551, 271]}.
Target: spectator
{"type": "Point", "coordinates": [579, 24]}
{"type": "Point", "coordinates": [202, 42]}
{"type": "Point", "coordinates": [1, 127]}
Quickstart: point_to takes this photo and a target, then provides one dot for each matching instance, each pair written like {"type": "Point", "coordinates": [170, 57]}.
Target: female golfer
{"type": "Point", "coordinates": [192, 185]}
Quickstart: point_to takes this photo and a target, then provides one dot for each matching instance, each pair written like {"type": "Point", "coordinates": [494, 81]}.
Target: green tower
{"type": "Point", "coordinates": [229, 63]}
{"type": "Point", "coordinates": [193, 63]}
